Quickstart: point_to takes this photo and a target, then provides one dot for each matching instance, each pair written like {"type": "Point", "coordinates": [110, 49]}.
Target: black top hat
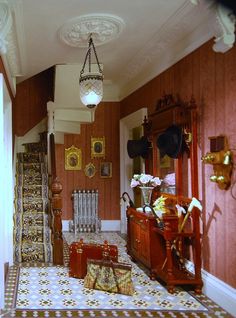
{"type": "Point", "coordinates": [138, 147]}
{"type": "Point", "coordinates": [170, 142]}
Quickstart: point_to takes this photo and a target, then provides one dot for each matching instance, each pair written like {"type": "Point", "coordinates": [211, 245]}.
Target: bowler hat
{"type": "Point", "coordinates": [138, 147]}
{"type": "Point", "coordinates": [170, 142]}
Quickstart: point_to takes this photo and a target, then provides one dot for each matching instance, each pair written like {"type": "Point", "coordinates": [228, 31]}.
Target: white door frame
{"type": "Point", "coordinates": [126, 164]}
{"type": "Point", "coordinates": [6, 185]}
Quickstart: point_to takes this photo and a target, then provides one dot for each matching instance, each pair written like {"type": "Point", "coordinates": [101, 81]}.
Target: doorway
{"type": "Point", "coordinates": [127, 124]}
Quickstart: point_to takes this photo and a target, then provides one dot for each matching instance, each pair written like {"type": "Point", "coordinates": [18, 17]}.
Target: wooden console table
{"type": "Point", "coordinates": [164, 250]}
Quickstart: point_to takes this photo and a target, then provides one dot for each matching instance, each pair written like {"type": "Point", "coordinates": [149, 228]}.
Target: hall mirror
{"type": "Point", "coordinates": [164, 168]}
{"type": "Point", "coordinates": [178, 170]}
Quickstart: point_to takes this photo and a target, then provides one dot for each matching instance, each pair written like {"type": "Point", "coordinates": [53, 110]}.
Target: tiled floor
{"type": "Point", "coordinates": [18, 307]}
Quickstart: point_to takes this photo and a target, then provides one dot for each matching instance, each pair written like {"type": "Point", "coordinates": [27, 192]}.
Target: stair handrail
{"type": "Point", "coordinates": [56, 206]}
{"type": "Point", "coordinates": [52, 156]}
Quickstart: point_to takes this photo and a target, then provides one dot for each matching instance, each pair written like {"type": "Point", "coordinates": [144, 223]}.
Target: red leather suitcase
{"type": "Point", "coordinates": [80, 252]}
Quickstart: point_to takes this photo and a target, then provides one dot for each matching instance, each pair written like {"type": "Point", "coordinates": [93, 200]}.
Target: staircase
{"type": "Point", "coordinates": [32, 233]}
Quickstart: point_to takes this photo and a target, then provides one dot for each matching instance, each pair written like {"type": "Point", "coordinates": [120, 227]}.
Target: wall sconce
{"type": "Point", "coordinates": [221, 159]}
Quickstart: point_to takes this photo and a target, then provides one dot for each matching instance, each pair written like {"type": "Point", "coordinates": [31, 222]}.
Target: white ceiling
{"type": "Point", "coordinates": [156, 34]}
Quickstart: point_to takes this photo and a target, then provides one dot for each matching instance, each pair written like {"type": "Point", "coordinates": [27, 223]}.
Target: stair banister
{"type": "Point", "coordinates": [56, 207]}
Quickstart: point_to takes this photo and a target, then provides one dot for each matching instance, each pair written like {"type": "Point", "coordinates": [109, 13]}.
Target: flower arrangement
{"type": "Point", "coordinates": [145, 180]}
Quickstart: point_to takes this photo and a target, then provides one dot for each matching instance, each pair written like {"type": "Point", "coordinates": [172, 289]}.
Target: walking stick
{"type": "Point", "coordinates": [193, 203]}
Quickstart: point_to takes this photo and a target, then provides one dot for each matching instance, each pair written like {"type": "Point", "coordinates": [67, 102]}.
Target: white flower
{"type": "Point", "coordinates": [145, 180]}
{"type": "Point", "coordinates": [134, 183]}
{"type": "Point", "coordinates": [169, 179]}
{"type": "Point", "coordinates": [156, 181]}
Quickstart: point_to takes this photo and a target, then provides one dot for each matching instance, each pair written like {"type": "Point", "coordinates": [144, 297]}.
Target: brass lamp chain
{"type": "Point", "coordinates": [88, 56]}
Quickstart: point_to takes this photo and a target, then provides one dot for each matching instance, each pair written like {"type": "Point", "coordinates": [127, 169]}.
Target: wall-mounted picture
{"type": "Point", "coordinates": [106, 170]}
{"type": "Point", "coordinates": [98, 147]}
{"type": "Point", "coordinates": [73, 158]}
{"type": "Point", "coordinates": [90, 170]}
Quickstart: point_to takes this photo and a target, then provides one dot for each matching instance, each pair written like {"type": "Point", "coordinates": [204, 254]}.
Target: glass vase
{"type": "Point", "coordinates": [147, 194]}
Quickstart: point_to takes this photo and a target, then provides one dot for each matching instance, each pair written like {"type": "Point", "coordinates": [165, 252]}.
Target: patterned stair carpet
{"type": "Point", "coordinates": [32, 235]}
{"type": "Point", "coordinates": [48, 291]}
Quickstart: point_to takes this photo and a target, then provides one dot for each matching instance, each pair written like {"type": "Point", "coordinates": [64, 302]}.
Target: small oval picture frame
{"type": "Point", "coordinates": [90, 170]}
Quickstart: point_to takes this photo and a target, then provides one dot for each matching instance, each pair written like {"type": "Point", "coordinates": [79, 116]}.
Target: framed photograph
{"type": "Point", "coordinates": [106, 170]}
{"type": "Point", "coordinates": [98, 147]}
{"type": "Point", "coordinates": [90, 170]}
{"type": "Point", "coordinates": [73, 158]}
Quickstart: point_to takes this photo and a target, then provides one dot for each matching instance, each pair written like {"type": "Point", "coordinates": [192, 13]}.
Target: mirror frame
{"type": "Point", "coordinates": [169, 111]}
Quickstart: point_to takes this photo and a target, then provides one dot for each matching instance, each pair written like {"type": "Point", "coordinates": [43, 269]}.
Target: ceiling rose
{"type": "Point", "coordinates": [103, 27]}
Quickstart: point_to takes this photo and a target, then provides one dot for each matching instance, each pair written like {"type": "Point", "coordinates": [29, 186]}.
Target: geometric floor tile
{"type": "Point", "coordinates": [50, 292]}
{"type": "Point", "coordinates": [52, 288]}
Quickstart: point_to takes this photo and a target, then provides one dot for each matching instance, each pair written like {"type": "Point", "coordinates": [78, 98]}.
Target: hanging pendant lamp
{"type": "Point", "coordinates": [91, 81]}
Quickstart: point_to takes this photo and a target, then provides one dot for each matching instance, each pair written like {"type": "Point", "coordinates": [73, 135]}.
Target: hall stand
{"type": "Point", "coordinates": [165, 248]}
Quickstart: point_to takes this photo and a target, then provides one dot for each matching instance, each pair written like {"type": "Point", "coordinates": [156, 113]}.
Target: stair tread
{"type": "Point", "coordinates": [32, 186]}
{"type": "Point", "coordinates": [32, 233]}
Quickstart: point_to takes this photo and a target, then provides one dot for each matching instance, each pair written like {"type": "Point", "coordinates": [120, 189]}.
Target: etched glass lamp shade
{"type": "Point", "coordinates": [91, 89]}
{"type": "Point", "coordinates": [91, 82]}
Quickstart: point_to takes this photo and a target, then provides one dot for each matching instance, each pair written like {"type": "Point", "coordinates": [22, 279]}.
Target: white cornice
{"type": "Point", "coordinates": [5, 25]}
{"type": "Point", "coordinates": [12, 53]}
{"type": "Point", "coordinates": [224, 29]}
{"type": "Point", "coordinates": [8, 40]}
{"type": "Point", "coordinates": [167, 47]}
{"type": "Point", "coordinates": [224, 24]}
{"type": "Point", "coordinates": [171, 30]}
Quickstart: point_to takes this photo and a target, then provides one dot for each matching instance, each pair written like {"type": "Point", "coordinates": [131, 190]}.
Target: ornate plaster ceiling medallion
{"type": "Point", "coordinates": [104, 28]}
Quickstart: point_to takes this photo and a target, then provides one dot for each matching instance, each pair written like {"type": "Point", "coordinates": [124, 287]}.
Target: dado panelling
{"type": "Point", "coordinates": [211, 78]}
{"type": "Point", "coordinates": [106, 124]}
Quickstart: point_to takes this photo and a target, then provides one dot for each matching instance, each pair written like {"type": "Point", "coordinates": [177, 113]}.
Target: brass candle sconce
{"type": "Point", "coordinates": [221, 159]}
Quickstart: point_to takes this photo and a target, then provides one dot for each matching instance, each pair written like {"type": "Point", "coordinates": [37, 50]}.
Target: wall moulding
{"type": "Point", "coordinates": [224, 27]}
{"type": "Point", "coordinates": [8, 40]}
{"type": "Point", "coordinates": [5, 25]}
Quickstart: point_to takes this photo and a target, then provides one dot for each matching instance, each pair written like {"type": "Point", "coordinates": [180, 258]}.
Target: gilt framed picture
{"type": "Point", "coordinates": [98, 147]}
{"type": "Point", "coordinates": [73, 158]}
{"type": "Point", "coordinates": [105, 169]}
{"type": "Point", "coordinates": [90, 170]}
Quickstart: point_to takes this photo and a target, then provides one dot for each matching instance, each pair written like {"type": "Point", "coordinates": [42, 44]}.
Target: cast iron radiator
{"type": "Point", "coordinates": [85, 209]}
